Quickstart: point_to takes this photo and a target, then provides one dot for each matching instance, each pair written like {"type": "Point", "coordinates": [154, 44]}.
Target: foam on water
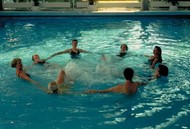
{"type": "Point", "coordinates": [161, 104]}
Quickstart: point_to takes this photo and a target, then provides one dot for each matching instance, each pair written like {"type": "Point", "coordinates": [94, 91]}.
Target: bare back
{"type": "Point", "coordinates": [131, 87]}
{"type": "Point", "coordinates": [127, 88]}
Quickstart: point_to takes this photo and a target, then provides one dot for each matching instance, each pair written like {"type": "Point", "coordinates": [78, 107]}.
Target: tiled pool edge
{"type": "Point", "coordinates": [96, 14]}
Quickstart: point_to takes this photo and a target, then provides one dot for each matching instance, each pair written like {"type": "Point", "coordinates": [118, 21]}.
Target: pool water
{"type": "Point", "coordinates": [159, 104]}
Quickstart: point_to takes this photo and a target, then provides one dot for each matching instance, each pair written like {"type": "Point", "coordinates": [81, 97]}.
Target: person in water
{"type": "Point", "coordinates": [59, 85]}
{"type": "Point", "coordinates": [123, 50]}
{"type": "Point", "coordinates": [74, 51]}
{"type": "Point", "coordinates": [156, 57]}
{"type": "Point", "coordinates": [17, 63]}
{"type": "Point", "coordinates": [36, 59]}
{"type": "Point", "coordinates": [162, 70]}
{"type": "Point", "coordinates": [129, 87]}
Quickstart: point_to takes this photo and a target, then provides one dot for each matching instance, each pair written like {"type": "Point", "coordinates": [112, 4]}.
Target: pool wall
{"type": "Point", "coordinates": [96, 14]}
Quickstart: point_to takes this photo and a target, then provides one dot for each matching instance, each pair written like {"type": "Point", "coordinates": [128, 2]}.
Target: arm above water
{"type": "Point", "coordinates": [58, 53]}
{"type": "Point", "coordinates": [118, 89]}
{"type": "Point", "coordinates": [84, 51]}
{"type": "Point", "coordinates": [24, 76]}
{"type": "Point", "coordinates": [147, 56]}
{"type": "Point", "coordinates": [37, 84]}
{"type": "Point", "coordinates": [141, 83]}
{"type": "Point", "coordinates": [60, 79]}
{"type": "Point", "coordinates": [154, 62]}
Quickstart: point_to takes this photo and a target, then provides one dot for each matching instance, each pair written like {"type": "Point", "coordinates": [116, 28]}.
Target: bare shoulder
{"type": "Point", "coordinates": [140, 83]}
{"type": "Point", "coordinates": [67, 50]}
{"type": "Point", "coordinates": [116, 88]}
{"type": "Point", "coordinates": [81, 50]}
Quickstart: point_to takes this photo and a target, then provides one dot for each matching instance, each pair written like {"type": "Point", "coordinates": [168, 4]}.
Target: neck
{"type": "Point", "coordinates": [19, 69]}
{"type": "Point", "coordinates": [122, 51]}
{"type": "Point", "coordinates": [128, 81]}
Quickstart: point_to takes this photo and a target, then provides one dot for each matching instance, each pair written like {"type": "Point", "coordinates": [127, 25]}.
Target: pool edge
{"type": "Point", "coordinates": [95, 14]}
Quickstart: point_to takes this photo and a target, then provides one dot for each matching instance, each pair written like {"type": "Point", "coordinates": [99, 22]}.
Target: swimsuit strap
{"type": "Point", "coordinates": [41, 62]}
{"type": "Point", "coordinates": [24, 72]}
{"type": "Point", "coordinates": [121, 54]}
{"type": "Point", "coordinates": [75, 55]}
{"type": "Point", "coordinates": [77, 52]}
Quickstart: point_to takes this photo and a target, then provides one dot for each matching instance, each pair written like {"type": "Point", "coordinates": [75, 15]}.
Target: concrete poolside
{"type": "Point", "coordinates": [93, 13]}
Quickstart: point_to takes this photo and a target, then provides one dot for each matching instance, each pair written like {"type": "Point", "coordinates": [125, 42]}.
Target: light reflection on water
{"type": "Point", "coordinates": [160, 104]}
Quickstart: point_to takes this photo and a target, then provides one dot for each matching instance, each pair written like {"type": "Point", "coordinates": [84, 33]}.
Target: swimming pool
{"type": "Point", "coordinates": [157, 105]}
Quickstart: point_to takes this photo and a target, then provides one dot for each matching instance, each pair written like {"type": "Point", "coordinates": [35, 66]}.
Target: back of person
{"type": "Point", "coordinates": [131, 87]}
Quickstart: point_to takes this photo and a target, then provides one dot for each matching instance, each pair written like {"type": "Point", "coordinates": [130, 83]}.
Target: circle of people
{"type": "Point", "coordinates": [58, 86]}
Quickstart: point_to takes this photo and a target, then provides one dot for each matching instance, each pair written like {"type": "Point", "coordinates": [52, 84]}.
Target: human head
{"type": "Point", "coordinates": [35, 57]}
{"type": "Point", "coordinates": [74, 42]}
{"type": "Point", "coordinates": [123, 47]}
{"type": "Point", "coordinates": [128, 74]}
{"type": "Point", "coordinates": [163, 70]}
{"type": "Point", "coordinates": [14, 62]}
{"type": "Point", "coordinates": [52, 87]}
{"type": "Point", "coordinates": [157, 51]}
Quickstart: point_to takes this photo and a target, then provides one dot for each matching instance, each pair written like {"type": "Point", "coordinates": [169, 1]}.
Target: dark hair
{"type": "Point", "coordinates": [159, 53]}
{"type": "Point", "coordinates": [33, 57]}
{"type": "Point", "coordinates": [75, 40]}
{"type": "Point", "coordinates": [163, 70]}
{"type": "Point", "coordinates": [125, 46]}
{"type": "Point", "coordinates": [128, 74]}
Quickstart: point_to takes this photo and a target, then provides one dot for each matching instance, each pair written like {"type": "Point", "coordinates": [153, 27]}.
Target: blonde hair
{"type": "Point", "coordinates": [14, 62]}
{"type": "Point", "coordinates": [52, 87]}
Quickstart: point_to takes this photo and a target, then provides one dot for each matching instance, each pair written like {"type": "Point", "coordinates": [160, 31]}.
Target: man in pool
{"type": "Point", "coordinates": [74, 51]}
{"type": "Point", "coordinates": [129, 87]}
{"type": "Point", "coordinates": [161, 71]}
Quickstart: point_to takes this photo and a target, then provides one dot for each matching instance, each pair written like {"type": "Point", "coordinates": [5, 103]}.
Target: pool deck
{"type": "Point", "coordinates": [94, 13]}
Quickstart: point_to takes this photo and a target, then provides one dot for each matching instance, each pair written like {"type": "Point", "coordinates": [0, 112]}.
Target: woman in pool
{"type": "Point", "coordinates": [129, 87]}
{"type": "Point", "coordinates": [156, 58]}
{"type": "Point", "coordinates": [17, 63]}
{"type": "Point", "coordinates": [123, 50]}
{"type": "Point", "coordinates": [122, 53]}
{"type": "Point", "coordinates": [59, 86]}
{"type": "Point", "coordinates": [37, 60]}
{"type": "Point", "coordinates": [74, 51]}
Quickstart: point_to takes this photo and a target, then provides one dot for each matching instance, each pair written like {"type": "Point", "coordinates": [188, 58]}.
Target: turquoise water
{"type": "Point", "coordinates": [157, 105]}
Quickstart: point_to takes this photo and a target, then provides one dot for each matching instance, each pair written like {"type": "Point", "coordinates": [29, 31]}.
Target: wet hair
{"type": "Point", "coordinates": [128, 74]}
{"type": "Point", "coordinates": [163, 70]}
{"type": "Point", "coordinates": [33, 56]}
{"type": "Point", "coordinates": [159, 53]}
{"type": "Point", "coordinates": [14, 62]}
{"type": "Point", "coordinates": [125, 46]}
{"type": "Point", "coordinates": [52, 87]}
{"type": "Point", "coordinates": [75, 40]}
